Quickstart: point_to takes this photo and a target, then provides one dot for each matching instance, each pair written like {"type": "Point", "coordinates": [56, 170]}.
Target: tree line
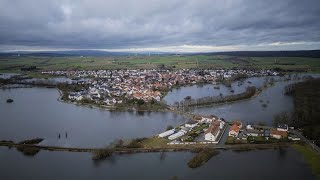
{"type": "Point", "coordinates": [250, 91]}
{"type": "Point", "coordinates": [306, 114]}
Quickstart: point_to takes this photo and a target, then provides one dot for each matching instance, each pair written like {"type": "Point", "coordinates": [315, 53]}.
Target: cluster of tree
{"type": "Point", "coordinates": [40, 82]}
{"type": "Point", "coordinates": [250, 91]}
{"type": "Point", "coordinates": [74, 87]}
{"type": "Point", "coordinates": [306, 114]}
{"type": "Point", "coordinates": [66, 88]}
{"type": "Point", "coordinates": [136, 143]}
{"type": "Point", "coordinates": [24, 80]}
{"type": "Point", "coordinates": [4, 81]}
{"type": "Point", "coordinates": [102, 154]}
{"type": "Point", "coordinates": [239, 76]}
{"type": "Point", "coordinates": [13, 79]}
{"type": "Point", "coordinates": [31, 141]}
{"type": "Point", "coordinates": [290, 89]}
{"type": "Point", "coordinates": [28, 151]}
{"type": "Point", "coordinates": [202, 157]}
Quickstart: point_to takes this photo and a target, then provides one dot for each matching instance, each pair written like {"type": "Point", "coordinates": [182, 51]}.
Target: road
{"type": "Point", "coordinates": [315, 147]}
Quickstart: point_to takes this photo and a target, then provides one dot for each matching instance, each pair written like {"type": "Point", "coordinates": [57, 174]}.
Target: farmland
{"type": "Point", "coordinates": [15, 63]}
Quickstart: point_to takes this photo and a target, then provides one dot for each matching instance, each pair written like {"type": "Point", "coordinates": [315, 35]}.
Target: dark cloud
{"type": "Point", "coordinates": [123, 24]}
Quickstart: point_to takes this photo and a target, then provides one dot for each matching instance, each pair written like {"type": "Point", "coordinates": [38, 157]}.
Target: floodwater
{"type": "Point", "coordinates": [36, 112]}
{"type": "Point", "coordinates": [266, 164]}
{"type": "Point", "coordinates": [260, 109]}
{"type": "Point", "coordinates": [199, 91]}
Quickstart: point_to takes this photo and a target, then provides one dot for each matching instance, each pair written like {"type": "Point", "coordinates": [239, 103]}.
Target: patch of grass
{"type": "Point", "coordinates": [312, 158]}
{"type": "Point", "coordinates": [202, 157]}
{"type": "Point", "coordinates": [136, 143]}
{"type": "Point", "coordinates": [232, 140]}
{"type": "Point", "coordinates": [155, 142]}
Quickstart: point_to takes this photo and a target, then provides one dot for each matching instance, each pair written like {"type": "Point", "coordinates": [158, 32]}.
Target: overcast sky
{"type": "Point", "coordinates": [160, 25]}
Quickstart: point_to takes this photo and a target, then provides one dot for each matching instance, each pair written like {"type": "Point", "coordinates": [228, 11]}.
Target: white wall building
{"type": "Point", "coordinates": [213, 131]}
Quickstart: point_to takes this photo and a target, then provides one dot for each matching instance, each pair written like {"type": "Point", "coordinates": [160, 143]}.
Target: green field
{"type": "Point", "coordinates": [312, 157]}
{"type": "Point", "coordinates": [13, 64]}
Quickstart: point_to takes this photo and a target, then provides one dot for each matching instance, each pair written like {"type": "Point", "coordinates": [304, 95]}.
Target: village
{"type": "Point", "coordinates": [210, 130]}
{"type": "Point", "coordinates": [111, 87]}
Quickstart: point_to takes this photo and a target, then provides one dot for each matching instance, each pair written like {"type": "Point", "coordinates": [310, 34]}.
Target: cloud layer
{"type": "Point", "coordinates": [160, 25]}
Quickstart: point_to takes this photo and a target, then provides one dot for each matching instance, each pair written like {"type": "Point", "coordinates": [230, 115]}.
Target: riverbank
{"type": "Point", "coordinates": [171, 148]}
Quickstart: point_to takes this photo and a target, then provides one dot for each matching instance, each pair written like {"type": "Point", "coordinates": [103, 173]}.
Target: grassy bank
{"type": "Point", "coordinates": [312, 157]}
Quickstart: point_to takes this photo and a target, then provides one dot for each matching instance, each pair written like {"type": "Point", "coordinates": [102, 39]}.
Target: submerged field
{"type": "Point", "coordinates": [14, 63]}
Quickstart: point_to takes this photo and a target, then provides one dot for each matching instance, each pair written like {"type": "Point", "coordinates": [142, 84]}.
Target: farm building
{"type": "Point", "coordinates": [176, 135]}
{"type": "Point", "coordinates": [167, 133]}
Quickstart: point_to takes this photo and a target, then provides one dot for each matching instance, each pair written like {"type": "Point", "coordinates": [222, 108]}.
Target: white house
{"type": "Point", "coordinates": [221, 124]}
{"type": "Point", "coordinates": [294, 138]}
{"type": "Point", "coordinates": [191, 124]}
{"type": "Point", "coordinates": [158, 98]}
{"type": "Point", "coordinates": [249, 127]}
{"type": "Point", "coordinates": [282, 127]}
{"type": "Point", "coordinates": [206, 120]}
{"type": "Point", "coordinates": [79, 98]}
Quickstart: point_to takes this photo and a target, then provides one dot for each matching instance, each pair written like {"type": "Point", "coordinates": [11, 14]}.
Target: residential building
{"type": "Point", "coordinates": [213, 131]}
{"type": "Point", "coordinates": [278, 134]}
{"type": "Point", "coordinates": [282, 127]}
{"type": "Point", "coordinates": [234, 130]}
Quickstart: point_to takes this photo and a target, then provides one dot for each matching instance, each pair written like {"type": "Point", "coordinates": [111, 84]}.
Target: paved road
{"type": "Point", "coordinates": [315, 147]}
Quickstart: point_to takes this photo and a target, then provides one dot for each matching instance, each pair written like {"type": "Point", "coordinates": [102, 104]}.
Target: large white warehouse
{"type": "Point", "coordinates": [167, 133]}
{"type": "Point", "coordinates": [176, 135]}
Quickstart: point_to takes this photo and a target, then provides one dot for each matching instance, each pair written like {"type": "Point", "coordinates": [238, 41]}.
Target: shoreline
{"type": "Point", "coordinates": [123, 150]}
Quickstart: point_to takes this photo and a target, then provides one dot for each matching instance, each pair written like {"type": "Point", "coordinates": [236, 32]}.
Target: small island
{"type": "Point", "coordinates": [9, 100]}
